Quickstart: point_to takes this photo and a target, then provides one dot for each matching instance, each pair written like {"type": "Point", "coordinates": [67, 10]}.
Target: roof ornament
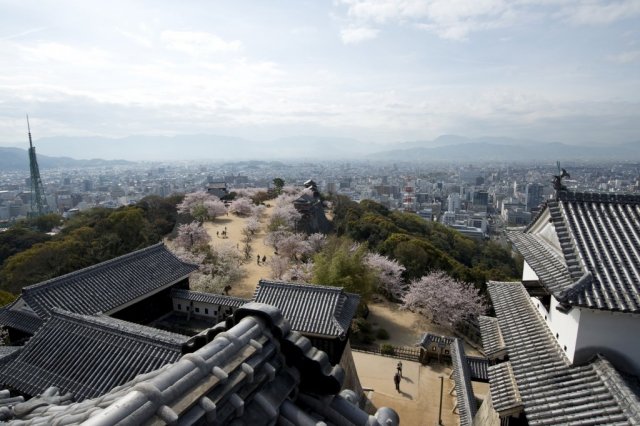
{"type": "Point", "coordinates": [557, 180]}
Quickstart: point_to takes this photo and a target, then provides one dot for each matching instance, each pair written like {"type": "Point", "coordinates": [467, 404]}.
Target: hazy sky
{"type": "Point", "coordinates": [375, 70]}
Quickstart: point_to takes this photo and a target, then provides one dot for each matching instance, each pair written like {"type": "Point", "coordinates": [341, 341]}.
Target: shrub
{"type": "Point", "coordinates": [387, 349]}
{"type": "Point", "coordinates": [382, 334]}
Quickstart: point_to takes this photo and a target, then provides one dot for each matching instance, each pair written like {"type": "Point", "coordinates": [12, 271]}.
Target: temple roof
{"type": "Point", "coordinates": [311, 308]}
{"type": "Point", "coordinates": [466, 401]}
{"type": "Point", "coordinates": [14, 317]}
{"type": "Point", "coordinates": [88, 355]}
{"type": "Point", "coordinates": [551, 389]}
{"type": "Point", "coordinates": [214, 299]}
{"type": "Point", "coordinates": [599, 237]}
{"type": "Point", "coordinates": [108, 285]}
{"type": "Point", "coordinates": [257, 372]}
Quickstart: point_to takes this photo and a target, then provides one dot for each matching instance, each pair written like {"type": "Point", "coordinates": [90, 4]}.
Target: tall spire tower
{"type": "Point", "coordinates": [38, 200]}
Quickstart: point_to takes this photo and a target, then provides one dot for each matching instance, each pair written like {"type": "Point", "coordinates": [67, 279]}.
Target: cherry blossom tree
{"type": "Point", "coordinates": [443, 299]}
{"type": "Point", "coordinates": [191, 235]}
{"type": "Point", "coordinates": [299, 272]}
{"type": "Point", "coordinates": [274, 237]}
{"type": "Point", "coordinates": [279, 265]}
{"type": "Point", "coordinates": [316, 242]}
{"type": "Point", "coordinates": [293, 246]}
{"type": "Point", "coordinates": [241, 206]}
{"type": "Point", "coordinates": [252, 225]}
{"type": "Point", "coordinates": [202, 206]}
{"type": "Point", "coordinates": [284, 215]}
{"type": "Point", "coordinates": [389, 274]}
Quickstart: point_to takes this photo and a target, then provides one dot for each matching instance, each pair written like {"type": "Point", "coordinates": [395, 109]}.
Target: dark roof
{"type": "Point", "coordinates": [20, 319]}
{"type": "Point", "coordinates": [466, 401]}
{"type": "Point", "coordinates": [257, 372]}
{"type": "Point", "coordinates": [599, 236]}
{"type": "Point", "coordinates": [492, 340]}
{"type": "Point", "coordinates": [214, 299]}
{"type": "Point", "coordinates": [311, 308]}
{"type": "Point", "coordinates": [88, 355]}
{"type": "Point", "coordinates": [504, 391]}
{"type": "Point", "coordinates": [108, 285]}
{"type": "Point", "coordinates": [428, 339]}
{"type": "Point", "coordinates": [479, 368]}
{"type": "Point", "coordinates": [552, 390]}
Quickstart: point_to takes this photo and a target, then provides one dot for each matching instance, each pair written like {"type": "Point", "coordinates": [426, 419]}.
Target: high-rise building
{"type": "Point", "coordinates": [533, 195]}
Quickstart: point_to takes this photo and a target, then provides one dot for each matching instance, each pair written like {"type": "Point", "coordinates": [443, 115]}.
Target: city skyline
{"type": "Point", "coordinates": [371, 70]}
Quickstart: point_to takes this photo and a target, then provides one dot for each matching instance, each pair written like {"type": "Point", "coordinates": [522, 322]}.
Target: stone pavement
{"type": "Point", "coordinates": [419, 397]}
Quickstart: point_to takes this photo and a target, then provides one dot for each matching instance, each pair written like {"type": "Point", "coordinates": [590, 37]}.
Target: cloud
{"type": "Point", "coordinates": [457, 19]}
{"type": "Point", "coordinates": [627, 57]}
{"type": "Point", "coordinates": [598, 12]}
{"type": "Point", "coordinates": [355, 35]}
{"type": "Point", "coordinates": [198, 43]}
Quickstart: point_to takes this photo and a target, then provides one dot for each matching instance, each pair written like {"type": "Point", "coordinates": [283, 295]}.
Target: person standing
{"type": "Point", "coordinates": [399, 368]}
{"type": "Point", "coordinates": [396, 380]}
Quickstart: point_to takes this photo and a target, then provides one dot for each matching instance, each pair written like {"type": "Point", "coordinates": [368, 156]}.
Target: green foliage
{"type": "Point", "coordinates": [387, 349]}
{"type": "Point", "coordinates": [17, 239]}
{"type": "Point", "coordinates": [361, 331]}
{"type": "Point", "coordinates": [382, 334]}
{"type": "Point", "coordinates": [6, 298]}
{"type": "Point", "coordinates": [88, 238]}
{"type": "Point", "coordinates": [341, 264]}
{"type": "Point", "coordinates": [279, 184]}
{"type": "Point", "coordinates": [422, 246]}
{"type": "Point", "coordinates": [44, 223]}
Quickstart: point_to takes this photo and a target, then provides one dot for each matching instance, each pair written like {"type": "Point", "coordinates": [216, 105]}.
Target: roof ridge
{"type": "Point", "coordinates": [599, 197]}
{"type": "Point", "coordinates": [121, 327]}
{"type": "Point", "coordinates": [310, 286]}
{"type": "Point", "coordinates": [60, 279]}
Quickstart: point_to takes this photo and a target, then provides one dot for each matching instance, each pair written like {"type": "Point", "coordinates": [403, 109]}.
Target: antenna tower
{"type": "Point", "coordinates": [38, 200]}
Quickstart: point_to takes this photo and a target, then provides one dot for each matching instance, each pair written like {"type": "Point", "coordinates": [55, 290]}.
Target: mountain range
{"type": "Point", "coordinates": [447, 148]}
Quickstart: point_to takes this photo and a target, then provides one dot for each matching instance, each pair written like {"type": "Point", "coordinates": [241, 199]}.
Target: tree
{"type": "Point", "coordinates": [316, 242]}
{"type": "Point", "coordinates": [293, 246]}
{"type": "Point", "coordinates": [341, 264]}
{"type": "Point", "coordinates": [252, 225]}
{"type": "Point", "coordinates": [191, 235]}
{"type": "Point", "coordinates": [445, 300]}
{"type": "Point", "coordinates": [284, 216]}
{"type": "Point", "coordinates": [279, 266]}
{"type": "Point", "coordinates": [202, 206]}
{"type": "Point", "coordinates": [389, 274]}
{"type": "Point", "coordinates": [299, 272]}
{"type": "Point", "coordinates": [241, 206]}
{"type": "Point", "coordinates": [278, 183]}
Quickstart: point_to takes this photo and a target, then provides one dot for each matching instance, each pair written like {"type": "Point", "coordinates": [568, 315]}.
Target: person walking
{"type": "Point", "coordinates": [399, 368]}
{"type": "Point", "coordinates": [264, 259]}
{"type": "Point", "coordinates": [396, 380]}
{"type": "Point", "coordinates": [258, 260]}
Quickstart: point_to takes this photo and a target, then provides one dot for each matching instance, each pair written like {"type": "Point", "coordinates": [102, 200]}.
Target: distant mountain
{"type": "Point", "coordinates": [18, 159]}
{"type": "Point", "coordinates": [456, 148]}
{"type": "Point", "coordinates": [202, 147]}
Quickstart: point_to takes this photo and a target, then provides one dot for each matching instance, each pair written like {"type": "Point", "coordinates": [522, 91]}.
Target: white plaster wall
{"type": "Point", "coordinates": [565, 326]}
{"type": "Point", "coordinates": [215, 311]}
{"type": "Point", "coordinates": [528, 274]}
{"type": "Point", "coordinates": [616, 335]}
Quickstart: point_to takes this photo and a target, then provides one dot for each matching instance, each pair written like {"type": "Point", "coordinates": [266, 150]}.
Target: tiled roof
{"type": "Point", "coordinates": [311, 308]}
{"type": "Point", "coordinates": [19, 319]}
{"type": "Point", "coordinates": [428, 338]}
{"type": "Point", "coordinates": [492, 340]}
{"type": "Point", "coordinates": [257, 372]}
{"type": "Point", "coordinates": [599, 235]}
{"type": "Point", "coordinates": [214, 299]}
{"type": "Point", "coordinates": [88, 356]}
{"type": "Point", "coordinates": [552, 390]}
{"type": "Point", "coordinates": [504, 391]}
{"type": "Point", "coordinates": [479, 368]}
{"type": "Point", "coordinates": [466, 401]}
{"type": "Point", "coordinates": [108, 285]}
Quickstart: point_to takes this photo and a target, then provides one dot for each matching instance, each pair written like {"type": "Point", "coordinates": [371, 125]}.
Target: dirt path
{"type": "Point", "coordinates": [252, 272]}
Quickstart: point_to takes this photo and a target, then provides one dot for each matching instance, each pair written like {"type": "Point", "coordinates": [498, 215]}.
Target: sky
{"type": "Point", "coordinates": [380, 71]}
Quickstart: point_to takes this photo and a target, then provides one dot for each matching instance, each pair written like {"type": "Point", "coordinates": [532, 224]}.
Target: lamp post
{"type": "Point", "coordinates": [440, 409]}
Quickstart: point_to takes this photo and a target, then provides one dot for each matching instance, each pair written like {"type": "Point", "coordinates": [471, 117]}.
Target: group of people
{"type": "Point", "coordinates": [398, 376]}
{"type": "Point", "coordinates": [264, 259]}
{"type": "Point", "coordinates": [223, 233]}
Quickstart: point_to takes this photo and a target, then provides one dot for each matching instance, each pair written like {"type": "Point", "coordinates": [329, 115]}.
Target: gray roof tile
{"type": "Point", "coordinates": [466, 401]}
{"type": "Point", "coordinates": [504, 391]}
{"type": "Point", "coordinates": [19, 319]}
{"type": "Point", "coordinates": [108, 285]}
{"type": "Point", "coordinates": [492, 340]}
{"type": "Point", "coordinates": [214, 299]}
{"type": "Point", "coordinates": [88, 356]}
{"type": "Point", "coordinates": [552, 390]}
{"type": "Point", "coordinates": [256, 373]}
{"type": "Point", "coordinates": [311, 308]}
{"type": "Point", "coordinates": [600, 239]}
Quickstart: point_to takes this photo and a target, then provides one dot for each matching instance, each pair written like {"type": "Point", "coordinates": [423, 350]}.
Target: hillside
{"type": "Point", "coordinates": [422, 246]}
{"type": "Point", "coordinates": [18, 159]}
